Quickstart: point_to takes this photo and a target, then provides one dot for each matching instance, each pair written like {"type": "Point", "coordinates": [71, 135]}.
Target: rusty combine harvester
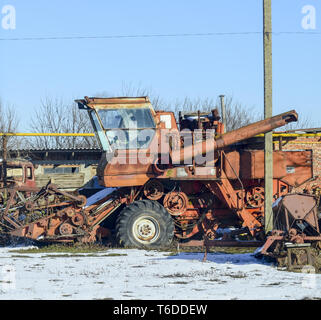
{"type": "Point", "coordinates": [166, 180]}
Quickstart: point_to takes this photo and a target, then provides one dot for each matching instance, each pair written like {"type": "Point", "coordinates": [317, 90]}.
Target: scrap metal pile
{"type": "Point", "coordinates": [52, 215]}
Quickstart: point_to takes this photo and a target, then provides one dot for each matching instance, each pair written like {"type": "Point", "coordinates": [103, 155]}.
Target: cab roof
{"type": "Point", "coordinates": [114, 103]}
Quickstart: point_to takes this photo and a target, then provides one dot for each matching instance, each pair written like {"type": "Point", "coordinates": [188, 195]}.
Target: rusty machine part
{"type": "Point", "coordinates": [17, 173]}
{"type": "Point", "coordinates": [65, 229]}
{"type": "Point", "coordinates": [82, 200]}
{"type": "Point", "coordinates": [153, 190]}
{"type": "Point", "coordinates": [255, 197]}
{"type": "Point", "coordinates": [176, 203]}
{"type": "Point", "coordinates": [52, 215]}
{"type": "Point", "coordinates": [78, 219]}
{"type": "Point", "coordinates": [295, 240]}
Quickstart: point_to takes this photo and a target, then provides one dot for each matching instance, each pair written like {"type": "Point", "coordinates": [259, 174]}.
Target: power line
{"type": "Point", "coordinates": [174, 35]}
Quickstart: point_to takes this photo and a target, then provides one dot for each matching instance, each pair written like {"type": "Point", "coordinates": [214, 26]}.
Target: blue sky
{"type": "Point", "coordinates": [172, 67]}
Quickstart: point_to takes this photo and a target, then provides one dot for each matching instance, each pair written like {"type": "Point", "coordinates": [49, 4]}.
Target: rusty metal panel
{"type": "Point", "coordinates": [292, 167]}
{"type": "Point", "coordinates": [302, 207]}
{"type": "Point", "coordinates": [232, 164]}
{"type": "Point", "coordinates": [293, 208]}
{"type": "Point", "coordinates": [115, 103]}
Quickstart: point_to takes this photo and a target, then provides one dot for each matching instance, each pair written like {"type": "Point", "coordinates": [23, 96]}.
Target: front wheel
{"type": "Point", "coordinates": [144, 223]}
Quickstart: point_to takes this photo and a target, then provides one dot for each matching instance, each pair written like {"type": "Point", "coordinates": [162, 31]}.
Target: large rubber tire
{"type": "Point", "coordinates": [144, 224]}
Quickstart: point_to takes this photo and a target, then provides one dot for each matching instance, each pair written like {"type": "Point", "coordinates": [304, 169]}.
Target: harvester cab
{"type": "Point", "coordinates": [17, 173]}
{"type": "Point", "coordinates": [119, 122]}
{"type": "Point", "coordinates": [129, 131]}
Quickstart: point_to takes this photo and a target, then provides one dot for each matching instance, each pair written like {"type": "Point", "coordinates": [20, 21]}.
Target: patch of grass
{"type": "Point", "coordinates": [79, 255]}
{"type": "Point", "coordinates": [20, 256]}
{"type": "Point", "coordinates": [171, 254]}
{"type": "Point", "coordinates": [272, 284]}
{"type": "Point", "coordinates": [173, 249]}
{"type": "Point", "coordinates": [152, 286]}
{"type": "Point", "coordinates": [55, 280]}
{"type": "Point", "coordinates": [233, 250]}
{"type": "Point", "coordinates": [176, 275]}
{"type": "Point", "coordinates": [63, 256]}
{"type": "Point", "coordinates": [236, 275]}
{"type": "Point", "coordinates": [216, 280]}
{"type": "Point", "coordinates": [138, 266]}
{"type": "Point", "coordinates": [64, 248]}
{"type": "Point", "coordinates": [179, 282]}
{"type": "Point", "coordinates": [198, 289]}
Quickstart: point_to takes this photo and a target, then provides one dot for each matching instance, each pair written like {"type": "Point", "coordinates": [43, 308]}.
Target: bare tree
{"type": "Point", "coordinates": [57, 116]}
{"type": "Point", "coordinates": [128, 89]}
{"type": "Point", "coordinates": [193, 105]}
{"type": "Point", "coordinates": [304, 122]}
{"type": "Point", "coordinates": [9, 123]}
{"type": "Point", "coordinates": [237, 115]}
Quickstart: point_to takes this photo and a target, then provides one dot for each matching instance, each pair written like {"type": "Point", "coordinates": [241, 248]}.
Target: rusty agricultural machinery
{"type": "Point", "coordinates": [296, 238]}
{"type": "Point", "coordinates": [166, 180]}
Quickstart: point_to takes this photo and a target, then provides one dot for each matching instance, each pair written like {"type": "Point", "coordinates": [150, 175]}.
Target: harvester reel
{"type": "Point", "coordinates": [176, 203]}
{"type": "Point", "coordinates": [255, 197]}
{"type": "Point", "coordinates": [153, 190]}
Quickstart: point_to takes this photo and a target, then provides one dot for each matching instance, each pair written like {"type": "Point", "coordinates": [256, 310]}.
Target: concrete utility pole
{"type": "Point", "coordinates": [268, 147]}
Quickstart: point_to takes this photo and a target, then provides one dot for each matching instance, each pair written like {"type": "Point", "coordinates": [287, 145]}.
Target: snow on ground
{"type": "Point", "coordinates": [138, 274]}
